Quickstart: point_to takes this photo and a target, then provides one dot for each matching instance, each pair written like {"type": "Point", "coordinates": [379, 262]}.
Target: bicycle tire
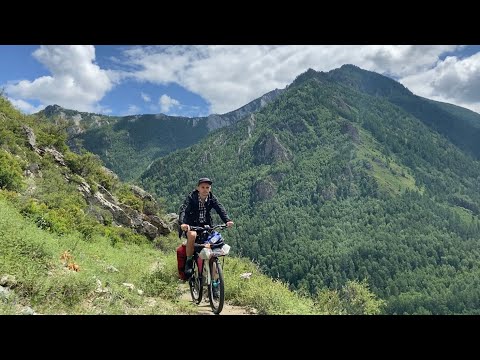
{"type": "Point", "coordinates": [196, 285]}
{"type": "Point", "coordinates": [216, 303]}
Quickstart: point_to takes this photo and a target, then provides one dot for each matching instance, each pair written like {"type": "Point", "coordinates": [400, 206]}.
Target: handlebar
{"type": "Point", "coordinates": [207, 227]}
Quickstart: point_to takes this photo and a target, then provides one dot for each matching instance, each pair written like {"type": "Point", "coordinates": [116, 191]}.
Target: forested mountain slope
{"type": "Point", "coordinates": [127, 145]}
{"type": "Point", "coordinates": [342, 178]}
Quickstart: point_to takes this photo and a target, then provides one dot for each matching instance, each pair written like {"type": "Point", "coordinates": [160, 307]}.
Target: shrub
{"type": "Point", "coordinates": [10, 172]}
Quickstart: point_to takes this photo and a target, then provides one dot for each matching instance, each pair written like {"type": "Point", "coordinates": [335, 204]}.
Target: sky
{"type": "Point", "coordinates": [199, 80]}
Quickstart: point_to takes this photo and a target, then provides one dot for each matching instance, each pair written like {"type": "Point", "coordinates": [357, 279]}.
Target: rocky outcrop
{"type": "Point", "coordinates": [146, 223]}
{"type": "Point", "coordinates": [32, 141]}
{"type": "Point", "coordinates": [268, 150]}
{"type": "Point", "coordinates": [217, 121]}
{"type": "Point", "coordinates": [142, 194]}
{"type": "Point", "coordinates": [149, 225]}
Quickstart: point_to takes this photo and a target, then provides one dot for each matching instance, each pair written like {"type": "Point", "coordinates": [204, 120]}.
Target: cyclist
{"type": "Point", "coordinates": [195, 211]}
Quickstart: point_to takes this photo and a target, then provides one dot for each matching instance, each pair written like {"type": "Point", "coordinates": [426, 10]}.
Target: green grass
{"type": "Point", "coordinates": [267, 296]}
{"type": "Point", "coordinates": [33, 257]}
{"type": "Point", "coordinates": [43, 282]}
{"type": "Point", "coordinates": [391, 176]}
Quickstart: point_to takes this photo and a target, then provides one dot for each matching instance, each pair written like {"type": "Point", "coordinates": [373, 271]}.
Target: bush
{"type": "Point", "coordinates": [10, 172]}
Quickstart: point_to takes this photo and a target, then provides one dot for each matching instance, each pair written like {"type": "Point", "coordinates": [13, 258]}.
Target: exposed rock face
{"type": "Point", "coordinates": [163, 227]}
{"type": "Point", "coordinates": [30, 137]}
{"type": "Point", "coordinates": [217, 121]}
{"type": "Point", "coordinates": [147, 223]}
{"type": "Point", "coordinates": [56, 155]}
{"type": "Point", "coordinates": [110, 172]}
{"type": "Point", "coordinates": [141, 193]}
{"type": "Point", "coordinates": [32, 171]}
{"type": "Point", "coordinates": [268, 150]}
{"type": "Point", "coordinates": [53, 110]}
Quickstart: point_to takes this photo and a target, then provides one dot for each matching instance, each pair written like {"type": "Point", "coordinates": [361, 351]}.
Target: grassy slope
{"type": "Point", "coordinates": [33, 256]}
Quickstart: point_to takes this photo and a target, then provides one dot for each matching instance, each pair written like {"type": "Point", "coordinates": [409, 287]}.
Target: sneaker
{"type": "Point", "coordinates": [189, 268]}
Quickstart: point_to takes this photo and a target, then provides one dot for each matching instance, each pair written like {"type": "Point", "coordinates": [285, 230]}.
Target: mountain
{"type": "Point", "coordinates": [348, 175]}
{"type": "Point", "coordinates": [76, 240]}
{"type": "Point", "coordinates": [128, 145]}
{"type": "Point", "coordinates": [459, 125]}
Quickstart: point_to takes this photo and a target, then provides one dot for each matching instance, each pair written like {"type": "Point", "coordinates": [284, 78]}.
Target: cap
{"type": "Point", "coordinates": [204, 180]}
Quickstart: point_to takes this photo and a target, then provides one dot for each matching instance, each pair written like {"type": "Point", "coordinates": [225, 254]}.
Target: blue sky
{"type": "Point", "coordinates": [201, 80]}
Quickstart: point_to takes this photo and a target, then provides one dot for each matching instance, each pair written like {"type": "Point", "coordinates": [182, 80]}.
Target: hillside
{"type": "Point", "coordinates": [76, 240]}
{"type": "Point", "coordinates": [460, 126]}
{"type": "Point", "coordinates": [346, 176]}
{"type": "Point", "coordinates": [127, 145]}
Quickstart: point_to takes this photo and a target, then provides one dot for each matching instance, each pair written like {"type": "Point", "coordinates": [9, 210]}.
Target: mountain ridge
{"type": "Point", "coordinates": [332, 183]}
{"type": "Point", "coordinates": [128, 144]}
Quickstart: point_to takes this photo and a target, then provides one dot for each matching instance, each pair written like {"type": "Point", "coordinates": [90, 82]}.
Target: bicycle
{"type": "Point", "coordinates": [210, 276]}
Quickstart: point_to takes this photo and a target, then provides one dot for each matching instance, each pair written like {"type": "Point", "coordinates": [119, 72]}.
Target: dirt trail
{"type": "Point", "coordinates": [205, 309]}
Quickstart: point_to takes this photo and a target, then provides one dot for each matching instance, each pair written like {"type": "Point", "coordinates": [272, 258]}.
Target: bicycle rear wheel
{"type": "Point", "coordinates": [216, 293]}
{"type": "Point", "coordinates": [196, 284]}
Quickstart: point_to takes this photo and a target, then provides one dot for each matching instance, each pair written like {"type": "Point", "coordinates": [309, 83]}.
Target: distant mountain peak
{"type": "Point", "coordinates": [367, 81]}
{"type": "Point", "coordinates": [52, 110]}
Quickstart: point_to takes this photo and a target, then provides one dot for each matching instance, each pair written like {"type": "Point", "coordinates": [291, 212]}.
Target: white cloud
{"type": "Point", "coordinates": [25, 106]}
{"type": "Point", "coordinates": [145, 97]}
{"type": "Point", "coordinates": [76, 82]}
{"type": "Point", "coordinates": [229, 77]}
{"type": "Point", "coordinates": [452, 80]}
{"type": "Point", "coordinates": [166, 103]}
{"type": "Point", "coordinates": [133, 110]}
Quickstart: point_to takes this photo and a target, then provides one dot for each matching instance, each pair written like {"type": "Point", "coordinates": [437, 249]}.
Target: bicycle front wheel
{"type": "Point", "coordinates": [216, 288]}
{"type": "Point", "coordinates": [196, 284]}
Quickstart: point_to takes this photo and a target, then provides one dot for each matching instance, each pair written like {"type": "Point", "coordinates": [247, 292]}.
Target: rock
{"type": "Point", "coordinates": [148, 230]}
{"type": "Point", "coordinates": [30, 137]}
{"type": "Point", "coordinates": [56, 155]}
{"type": "Point", "coordinates": [4, 292]}
{"type": "Point", "coordinates": [27, 310]}
{"type": "Point", "coordinates": [269, 150]}
{"type": "Point", "coordinates": [112, 268]}
{"type": "Point", "coordinates": [163, 228]}
{"type": "Point", "coordinates": [110, 172]}
{"type": "Point", "coordinates": [139, 192]}
{"type": "Point", "coordinates": [8, 281]}
{"type": "Point", "coordinates": [246, 275]}
{"type": "Point", "coordinates": [129, 286]}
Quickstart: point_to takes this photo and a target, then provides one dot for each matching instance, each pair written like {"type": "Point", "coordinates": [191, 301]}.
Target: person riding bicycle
{"type": "Point", "coordinates": [195, 211]}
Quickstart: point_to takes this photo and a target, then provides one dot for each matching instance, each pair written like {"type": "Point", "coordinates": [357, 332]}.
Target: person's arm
{"type": "Point", "coordinates": [220, 209]}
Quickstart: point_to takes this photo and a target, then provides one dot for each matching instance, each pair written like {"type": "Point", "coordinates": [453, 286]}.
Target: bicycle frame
{"type": "Point", "coordinates": [202, 276]}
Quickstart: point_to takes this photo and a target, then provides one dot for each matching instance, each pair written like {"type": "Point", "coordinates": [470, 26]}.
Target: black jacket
{"type": "Point", "coordinates": [189, 212]}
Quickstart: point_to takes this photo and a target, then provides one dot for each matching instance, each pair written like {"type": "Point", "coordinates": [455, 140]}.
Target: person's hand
{"type": "Point", "coordinates": [185, 227]}
{"type": "Point", "coordinates": [229, 223]}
